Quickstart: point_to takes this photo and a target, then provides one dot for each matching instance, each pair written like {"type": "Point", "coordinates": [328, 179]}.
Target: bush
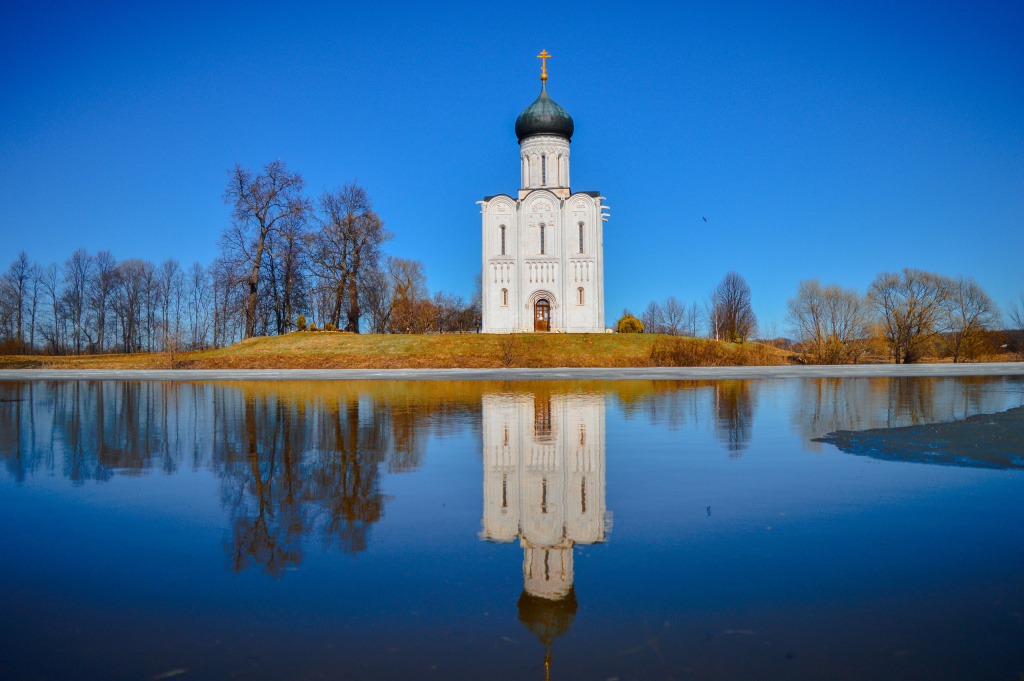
{"type": "Point", "coordinates": [300, 323]}
{"type": "Point", "coordinates": [629, 324]}
{"type": "Point", "coordinates": [694, 352]}
{"type": "Point", "coordinates": [312, 327]}
{"type": "Point", "coordinates": [330, 327]}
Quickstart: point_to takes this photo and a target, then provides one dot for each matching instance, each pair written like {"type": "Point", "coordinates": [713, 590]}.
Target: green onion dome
{"type": "Point", "coordinates": [544, 117]}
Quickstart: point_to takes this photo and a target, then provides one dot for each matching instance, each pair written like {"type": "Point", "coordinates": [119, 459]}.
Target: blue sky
{"type": "Point", "coordinates": [819, 140]}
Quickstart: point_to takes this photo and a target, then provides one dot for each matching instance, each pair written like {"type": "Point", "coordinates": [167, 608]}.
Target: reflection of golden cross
{"type": "Point", "coordinates": [543, 56]}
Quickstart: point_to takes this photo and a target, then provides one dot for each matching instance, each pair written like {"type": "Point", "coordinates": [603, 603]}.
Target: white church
{"type": "Point", "coordinates": [543, 260]}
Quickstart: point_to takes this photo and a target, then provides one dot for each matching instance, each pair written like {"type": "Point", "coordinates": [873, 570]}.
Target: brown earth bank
{"type": "Point", "coordinates": [336, 350]}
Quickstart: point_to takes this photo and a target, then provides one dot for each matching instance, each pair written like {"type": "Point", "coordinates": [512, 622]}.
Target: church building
{"type": "Point", "coordinates": [543, 261]}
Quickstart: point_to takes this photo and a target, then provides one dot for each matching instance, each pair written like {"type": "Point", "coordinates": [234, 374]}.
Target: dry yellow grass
{"type": "Point", "coordinates": [325, 350]}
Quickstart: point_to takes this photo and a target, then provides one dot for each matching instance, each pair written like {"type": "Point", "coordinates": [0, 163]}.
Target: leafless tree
{"type": "Point", "coordinates": [169, 288]}
{"type": "Point", "coordinates": [198, 305]}
{"type": "Point", "coordinates": [729, 308]}
{"type": "Point", "coordinates": [411, 309]}
{"type": "Point", "coordinates": [101, 291]}
{"type": "Point", "coordinates": [378, 296]}
{"type": "Point", "coordinates": [347, 247]}
{"type": "Point", "coordinates": [692, 319]}
{"type": "Point", "coordinates": [653, 318]}
{"type": "Point", "coordinates": [134, 279]}
{"type": "Point", "coordinates": [51, 333]}
{"type": "Point", "coordinates": [16, 283]}
{"type": "Point", "coordinates": [969, 315]}
{"type": "Point", "coordinates": [674, 316]}
{"type": "Point", "coordinates": [911, 307]}
{"type": "Point", "coordinates": [1015, 317]}
{"type": "Point", "coordinates": [77, 275]}
{"type": "Point", "coordinates": [262, 202]}
{"type": "Point", "coordinates": [831, 322]}
{"type": "Point", "coordinates": [35, 296]}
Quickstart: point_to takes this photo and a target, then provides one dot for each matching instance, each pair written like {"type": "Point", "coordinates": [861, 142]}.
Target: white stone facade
{"type": "Point", "coordinates": [544, 481]}
{"type": "Point", "coordinates": [543, 253]}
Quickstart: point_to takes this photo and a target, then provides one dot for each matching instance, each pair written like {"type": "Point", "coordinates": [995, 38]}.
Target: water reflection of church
{"type": "Point", "coordinates": [544, 484]}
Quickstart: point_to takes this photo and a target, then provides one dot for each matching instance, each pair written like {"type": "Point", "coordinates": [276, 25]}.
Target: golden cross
{"type": "Point", "coordinates": [543, 56]}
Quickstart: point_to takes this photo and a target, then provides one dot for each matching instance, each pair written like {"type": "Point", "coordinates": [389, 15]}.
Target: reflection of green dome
{"type": "Point", "coordinates": [544, 117]}
{"type": "Point", "coordinates": [546, 618]}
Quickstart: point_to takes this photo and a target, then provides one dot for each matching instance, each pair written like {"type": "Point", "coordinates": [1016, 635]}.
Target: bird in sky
{"type": "Point", "coordinates": [705, 219]}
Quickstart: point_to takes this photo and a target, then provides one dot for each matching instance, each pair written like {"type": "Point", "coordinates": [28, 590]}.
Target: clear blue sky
{"type": "Point", "coordinates": [819, 140]}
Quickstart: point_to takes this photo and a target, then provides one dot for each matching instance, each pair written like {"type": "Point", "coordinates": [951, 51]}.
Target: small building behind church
{"type": "Point", "coordinates": [543, 260]}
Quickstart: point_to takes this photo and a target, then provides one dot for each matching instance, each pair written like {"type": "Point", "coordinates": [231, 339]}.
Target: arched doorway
{"type": "Point", "coordinates": [542, 315]}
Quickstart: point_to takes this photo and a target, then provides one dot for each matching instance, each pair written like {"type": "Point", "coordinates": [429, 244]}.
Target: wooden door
{"type": "Point", "coordinates": [542, 316]}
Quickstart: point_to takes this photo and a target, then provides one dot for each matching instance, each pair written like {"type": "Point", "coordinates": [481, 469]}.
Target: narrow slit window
{"type": "Point", "coordinates": [581, 237]}
{"type": "Point", "coordinates": [544, 495]}
{"type": "Point", "coordinates": [581, 295]}
{"type": "Point", "coordinates": [504, 303]}
{"type": "Point", "coordinates": [583, 495]}
{"type": "Point", "coordinates": [542, 239]}
{"type": "Point", "coordinates": [543, 170]}
{"type": "Point", "coordinates": [503, 239]}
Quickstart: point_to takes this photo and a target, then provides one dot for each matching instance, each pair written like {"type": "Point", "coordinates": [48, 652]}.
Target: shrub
{"type": "Point", "coordinates": [629, 324]}
{"type": "Point", "coordinates": [695, 352]}
{"type": "Point", "coordinates": [312, 327]}
{"type": "Point", "coordinates": [330, 327]}
{"type": "Point", "coordinates": [300, 323]}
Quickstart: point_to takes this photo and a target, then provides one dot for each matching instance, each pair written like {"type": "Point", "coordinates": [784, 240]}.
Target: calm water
{"type": "Point", "coordinates": [444, 530]}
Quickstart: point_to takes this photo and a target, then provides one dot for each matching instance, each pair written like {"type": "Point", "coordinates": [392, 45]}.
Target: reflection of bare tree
{"type": "Point", "coordinates": [343, 478]}
{"type": "Point", "coordinates": [267, 523]}
{"type": "Point", "coordinates": [730, 406]}
{"type": "Point", "coordinates": [735, 403]}
{"type": "Point", "coordinates": [830, 404]}
{"type": "Point", "coordinates": [295, 459]}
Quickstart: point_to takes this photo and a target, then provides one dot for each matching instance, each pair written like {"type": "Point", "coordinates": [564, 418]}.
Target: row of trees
{"type": "Point", "coordinates": [904, 315]}
{"type": "Point", "coordinates": [911, 314]}
{"type": "Point", "coordinates": [727, 313]}
{"type": "Point", "coordinates": [283, 255]}
{"type": "Point", "coordinates": [323, 258]}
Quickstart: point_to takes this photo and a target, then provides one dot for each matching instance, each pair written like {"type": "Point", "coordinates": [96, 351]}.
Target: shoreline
{"type": "Point", "coordinates": [559, 374]}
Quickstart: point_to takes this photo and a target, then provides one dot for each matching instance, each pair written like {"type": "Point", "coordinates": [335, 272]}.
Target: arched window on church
{"type": "Point", "coordinates": [504, 297]}
{"type": "Point", "coordinates": [581, 295]}
{"type": "Point", "coordinates": [544, 171]}
{"type": "Point", "coordinates": [581, 237]}
{"type": "Point", "coordinates": [542, 239]}
{"type": "Point", "coordinates": [503, 239]}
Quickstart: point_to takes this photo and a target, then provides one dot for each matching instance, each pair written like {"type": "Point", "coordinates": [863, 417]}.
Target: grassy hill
{"type": "Point", "coordinates": [333, 350]}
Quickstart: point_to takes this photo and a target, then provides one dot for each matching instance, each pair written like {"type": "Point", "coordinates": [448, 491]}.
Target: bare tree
{"type": "Point", "coordinates": [832, 322]}
{"type": "Point", "coordinates": [101, 291]}
{"type": "Point", "coordinates": [411, 310]}
{"type": "Point", "coordinates": [733, 316]}
{"type": "Point", "coordinates": [77, 275]}
{"type": "Point", "coordinates": [1015, 316]}
{"type": "Point", "coordinates": [16, 284]}
{"type": "Point", "coordinates": [134, 279]}
{"type": "Point", "coordinates": [169, 284]}
{"type": "Point", "coordinates": [198, 305]}
{"type": "Point", "coordinates": [261, 202]}
{"type": "Point", "coordinates": [674, 316]}
{"type": "Point", "coordinates": [653, 318]}
{"type": "Point", "coordinates": [692, 319]}
{"type": "Point", "coordinates": [347, 247]}
{"type": "Point", "coordinates": [50, 282]}
{"type": "Point", "coordinates": [911, 307]}
{"type": "Point", "coordinates": [378, 296]}
{"type": "Point", "coordinates": [969, 315]}
{"type": "Point", "coordinates": [34, 298]}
